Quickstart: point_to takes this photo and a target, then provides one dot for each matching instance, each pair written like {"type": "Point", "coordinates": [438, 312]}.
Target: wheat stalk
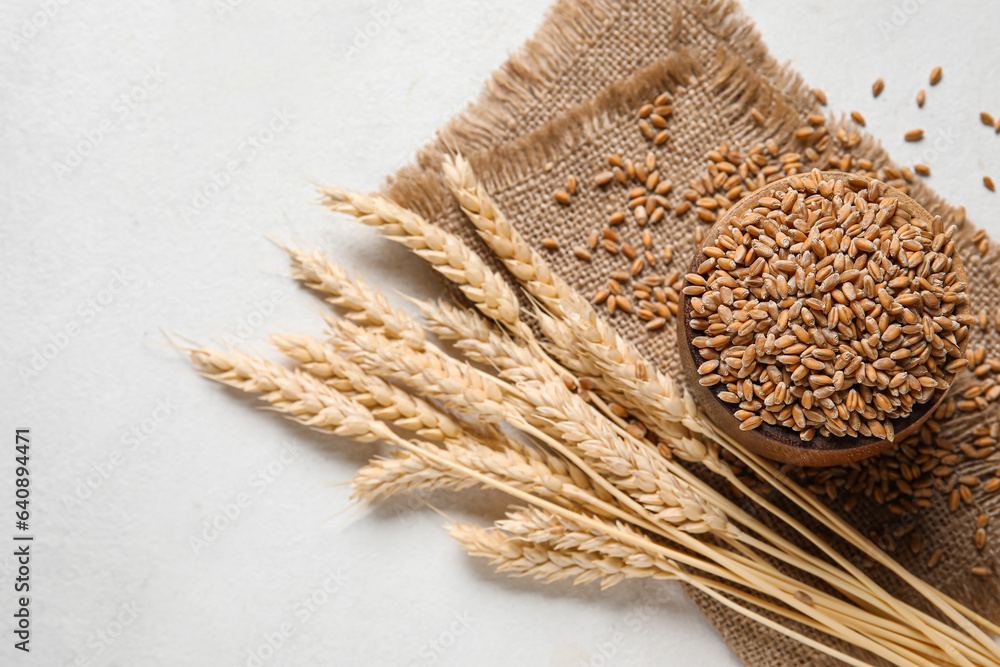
{"type": "Point", "coordinates": [550, 532]}
{"type": "Point", "coordinates": [520, 558]}
{"type": "Point", "coordinates": [694, 507]}
{"type": "Point", "coordinates": [603, 503]}
{"type": "Point", "coordinates": [315, 404]}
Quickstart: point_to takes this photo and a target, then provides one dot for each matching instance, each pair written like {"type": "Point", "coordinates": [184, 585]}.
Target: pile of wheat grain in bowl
{"type": "Point", "coordinates": [828, 309]}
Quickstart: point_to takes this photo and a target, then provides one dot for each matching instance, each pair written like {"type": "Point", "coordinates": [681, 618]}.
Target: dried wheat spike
{"type": "Point", "coordinates": [368, 305]}
{"type": "Point", "coordinates": [447, 253]}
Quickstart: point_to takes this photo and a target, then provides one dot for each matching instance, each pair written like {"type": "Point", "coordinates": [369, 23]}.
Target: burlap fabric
{"type": "Point", "coordinates": [570, 97]}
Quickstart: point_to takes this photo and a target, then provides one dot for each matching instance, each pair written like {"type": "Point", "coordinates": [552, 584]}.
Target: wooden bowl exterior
{"type": "Point", "coordinates": [779, 442]}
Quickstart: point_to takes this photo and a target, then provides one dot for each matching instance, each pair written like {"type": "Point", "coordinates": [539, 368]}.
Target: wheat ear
{"type": "Point", "coordinates": [386, 401]}
{"type": "Point", "coordinates": [525, 558]}
{"type": "Point", "coordinates": [366, 305]}
{"type": "Point", "coordinates": [402, 472]}
{"type": "Point", "coordinates": [514, 359]}
{"type": "Point", "coordinates": [444, 251]}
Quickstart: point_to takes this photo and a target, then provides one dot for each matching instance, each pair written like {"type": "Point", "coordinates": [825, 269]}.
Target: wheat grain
{"type": "Point", "coordinates": [818, 364]}
{"type": "Point", "coordinates": [979, 538]}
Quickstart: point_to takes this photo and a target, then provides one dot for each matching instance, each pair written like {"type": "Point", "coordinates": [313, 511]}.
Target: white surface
{"type": "Point", "coordinates": [402, 586]}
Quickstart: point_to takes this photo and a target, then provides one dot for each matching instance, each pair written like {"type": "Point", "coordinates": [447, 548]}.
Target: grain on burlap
{"type": "Point", "coordinates": [570, 97]}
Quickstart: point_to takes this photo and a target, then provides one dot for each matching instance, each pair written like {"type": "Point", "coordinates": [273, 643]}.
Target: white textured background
{"type": "Point", "coordinates": [134, 456]}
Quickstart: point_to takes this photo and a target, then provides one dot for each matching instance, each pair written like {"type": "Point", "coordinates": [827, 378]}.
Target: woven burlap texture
{"type": "Point", "coordinates": [569, 98]}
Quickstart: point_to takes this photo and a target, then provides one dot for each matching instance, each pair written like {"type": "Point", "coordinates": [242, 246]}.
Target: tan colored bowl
{"type": "Point", "coordinates": [779, 442]}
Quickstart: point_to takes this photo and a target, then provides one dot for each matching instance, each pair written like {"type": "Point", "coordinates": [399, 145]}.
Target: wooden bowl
{"type": "Point", "coordinates": [779, 442]}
